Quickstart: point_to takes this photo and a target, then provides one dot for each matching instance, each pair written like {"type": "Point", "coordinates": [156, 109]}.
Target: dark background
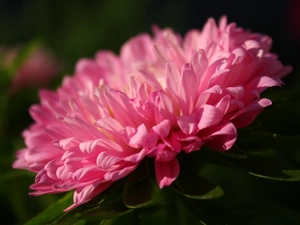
{"type": "Point", "coordinates": [74, 29]}
{"type": "Point", "coordinates": [78, 28]}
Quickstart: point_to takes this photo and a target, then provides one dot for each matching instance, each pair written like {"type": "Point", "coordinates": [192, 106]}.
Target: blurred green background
{"type": "Point", "coordinates": [76, 29]}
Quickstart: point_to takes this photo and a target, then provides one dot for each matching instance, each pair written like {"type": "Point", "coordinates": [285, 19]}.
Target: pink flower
{"type": "Point", "coordinates": [38, 70]}
{"type": "Point", "coordinates": [88, 133]}
{"type": "Point", "coordinates": [162, 95]}
{"type": "Point", "coordinates": [84, 138]}
{"type": "Point", "coordinates": [202, 88]}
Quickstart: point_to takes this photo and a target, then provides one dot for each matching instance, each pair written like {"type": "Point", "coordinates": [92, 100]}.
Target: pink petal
{"type": "Point", "coordinates": [118, 174]}
{"type": "Point", "coordinates": [137, 49]}
{"type": "Point", "coordinates": [262, 83]}
{"type": "Point", "coordinates": [209, 116]}
{"type": "Point", "coordinates": [200, 63]}
{"type": "Point", "coordinates": [166, 172]}
{"type": "Point", "coordinates": [83, 195]}
{"type": "Point", "coordinates": [37, 158]}
{"type": "Point", "coordinates": [162, 128]}
{"type": "Point", "coordinates": [164, 153]}
{"type": "Point", "coordinates": [87, 66]}
{"type": "Point", "coordinates": [210, 30]}
{"type": "Point", "coordinates": [191, 42]}
{"type": "Point", "coordinates": [164, 108]}
{"type": "Point", "coordinates": [246, 116]}
{"type": "Point", "coordinates": [224, 104]}
{"type": "Point", "coordinates": [188, 124]}
{"type": "Point", "coordinates": [121, 108]}
{"type": "Point", "coordinates": [107, 159]}
{"type": "Point", "coordinates": [283, 71]}
{"type": "Point", "coordinates": [172, 77]}
{"type": "Point", "coordinates": [209, 95]}
{"type": "Point", "coordinates": [110, 126]}
{"type": "Point", "coordinates": [223, 23]}
{"type": "Point", "coordinates": [136, 158]}
{"type": "Point", "coordinates": [160, 52]}
{"type": "Point", "coordinates": [237, 92]}
{"type": "Point", "coordinates": [20, 163]}
{"type": "Point", "coordinates": [150, 78]}
{"type": "Point", "coordinates": [138, 139]}
{"type": "Point", "coordinates": [187, 92]}
{"type": "Point", "coordinates": [67, 143]}
{"type": "Point", "coordinates": [222, 137]}
{"type": "Point", "coordinates": [142, 138]}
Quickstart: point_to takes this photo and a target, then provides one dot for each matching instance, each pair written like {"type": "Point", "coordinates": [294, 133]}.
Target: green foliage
{"type": "Point", "coordinates": [138, 189]}
{"type": "Point", "coordinates": [52, 212]}
{"type": "Point", "coordinates": [191, 185]}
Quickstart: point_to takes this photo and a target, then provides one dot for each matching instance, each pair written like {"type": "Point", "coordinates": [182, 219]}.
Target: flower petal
{"type": "Point", "coordinates": [166, 172]}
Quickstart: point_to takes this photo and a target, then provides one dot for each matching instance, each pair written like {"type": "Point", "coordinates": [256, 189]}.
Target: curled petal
{"type": "Point", "coordinates": [162, 128]}
{"type": "Point", "coordinates": [209, 116]}
{"type": "Point", "coordinates": [188, 124]}
{"type": "Point", "coordinates": [246, 115]}
{"type": "Point", "coordinates": [106, 160]}
{"type": "Point", "coordinates": [20, 163]}
{"type": "Point", "coordinates": [166, 172]}
{"type": "Point", "coordinates": [82, 195]}
{"type": "Point", "coordinates": [222, 137]}
{"type": "Point", "coordinates": [118, 174]}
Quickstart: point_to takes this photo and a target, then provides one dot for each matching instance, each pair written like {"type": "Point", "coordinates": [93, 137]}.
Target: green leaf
{"type": "Point", "coordinates": [255, 140]}
{"type": "Point", "coordinates": [175, 213]}
{"type": "Point", "coordinates": [138, 188]}
{"type": "Point", "coordinates": [69, 219]}
{"type": "Point", "coordinates": [139, 173]}
{"type": "Point", "coordinates": [294, 174]}
{"type": "Point", "coordinates": [268, 168]}
{"type": "Point", "coordinates": [190, 185]}
{"type": "Point", "coordinates": [137, 194]}
{"type": "Point", "coordinates": [53, 211]}
{"type": "Point", "coordinates": [212, 213]}
{"type": "Point", "coordinates": [129, 218]}
{"type": "Point", "coordinates": [114, 192]}
{"type": "Point", "coordinates": [200, 188]}
{"type": "Point", "coordinates": [235, 152]}
{"type": "Point", "coordinates": [258, 141]}
{"type": "Point", "coordinates": [255, 163]}
{"type": "Point", "coordinates": [260, 211]}
{"type": "Point", "coordinates": [106, 210]}
{"type": "Point", "coordinates": [287, 143]}
{"type": "Point", "coordinates": [160, 196]}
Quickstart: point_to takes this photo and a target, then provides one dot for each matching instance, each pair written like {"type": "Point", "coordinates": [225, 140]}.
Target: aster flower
{"type": "Point", "coordinates": [161, 96]}
{"type": "Point", "coordinates": [196, 90]}
{"type": "Point", "coordinates": [86, 134]}
{"type": "Point", "coordinates": [83, 139]}
{"type": "Point", "coordinates": [210, 85]}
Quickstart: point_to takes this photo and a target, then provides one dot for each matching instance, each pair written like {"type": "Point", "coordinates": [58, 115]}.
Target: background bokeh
{"type": "Point", "coordinates": [73, 29]}
{"type": "Point", "coordinates": [76, 29]}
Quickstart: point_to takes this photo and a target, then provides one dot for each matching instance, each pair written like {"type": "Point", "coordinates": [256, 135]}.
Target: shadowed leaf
{"type": "Point", "coordinates": [212, 213]}
{"type": "Point", "coordinates": [106, 210]}
{"type": "Point", "coordinates": [190, 185]}
{"type": "Point", "coordinates": [53, 211]}
{"type": "Point", "coordinates": [137, 194]}
{"type": "Point", "coordinates": [268, 168]}
{"type": "Point", "coordinates": [138, 188]}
